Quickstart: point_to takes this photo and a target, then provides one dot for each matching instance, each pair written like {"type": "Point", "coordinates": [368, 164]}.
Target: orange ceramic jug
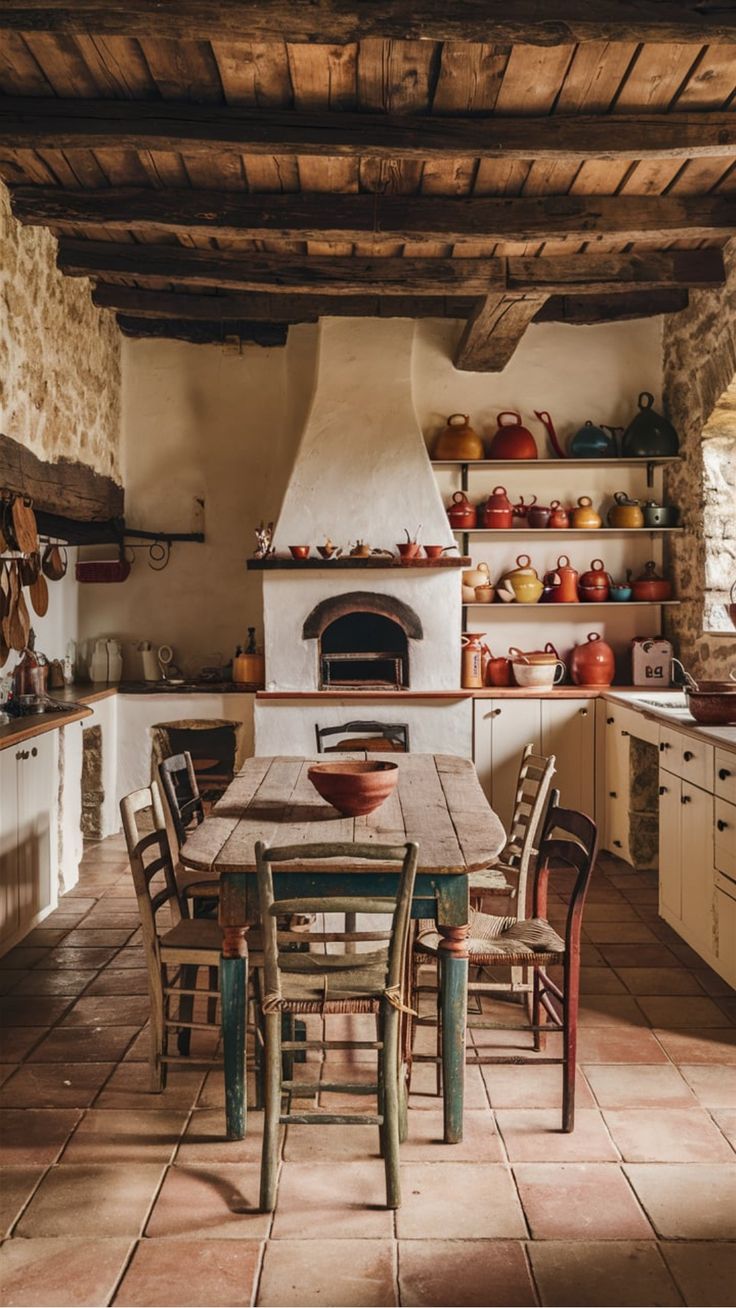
{"type": "Point", "coordinates": [593, 664]}
{"type": "Point", "coordinates": [585, 515]}
{"type": "Point", "coordinates": [558, 517]}
{"type": "Point", "coordinates": [458, 440]}
{"type": "Point", "coordinates": [472, 660]}
{"type": "Point", "coordinates": [567, 590]}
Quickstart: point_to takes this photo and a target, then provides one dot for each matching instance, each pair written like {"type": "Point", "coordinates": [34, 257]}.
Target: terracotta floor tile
{"type": "Point", "coordinates": [35, 1135]}
{"type": "Point", "coordinates": [579, 1201]}
{"type": "Point", "coordinates": [618, 1045]}
{"type": "Point", "coordinates": [681, 1135]}
{"type": "Point", "coordinates": [660, 981]}
{"type": "Point", "coordinates": [36, 1272]}
{"type": "Point", "coordinates": [115, 1197]}
{"type": "Point", "coordinates": [627, 1086]}
{"type": "Point", "coordinates": [10, 977]}
{"type": "Point", "coordinates": [107, 1135]}
{"type": "Point", "coordinates": [425, 1142]}
{"type": "Point", "coordinates": [336, 1144]}
{"type": "Point", "coordinates": [16, 1042]}
{"type": "Point", "coordinates": [725, 1120]}
{"type": "Point", "coordinates": [705, 1273]}
{"type": "Point", "coordinates": [727, 1005]}
{"type": "Point", "coordinates": [714, 1086]}
{"type": "Point", "coordinates": [607, 910]}
{"type": "Point", "coordinates": [712, 1045]}
{"type": "Point", "coordinates": [63, 982]}
{"type": "Point", "coordinates": [129, 1087]}
{"type": "Point", "coordinates": [600, 981]}
{"type": "Point", "coordinates": [120, 981]}
{"type": "Point", "coordinates": [449, 1201]}
{"type": "Point", "coordinates": [32, 1010]}
{"type": "Point", "coordinates": [482, 1273]}
{"type": "Point", "coordinates": [47, 936]}
{"type": "Point", "coordinates": [77, 959]}
{"type": "Point", "coordinates": [84, 1044]}
{"type": "Point", "coordinates": [531, 1087]}
{"type": "Point", "coordinates": [97, 938]}
{"type": "Point", "coordinates": [311, 1273]}
{"type": "Point", "coordinates": [219, 1202]}
{"type": "Point", "coordinates": [16, 1187]}
{"type": "Point", "coordinates": [103, 915]}
{"type": "Point", "coordinates": [589, 1274]}
{"type": "Point", "coordinates": [687, 1201]}
{"type": "Point", "coordinates": [681, 1011]}
{"type": "Point", "coordinates": [423, 1087]}
{"type": "Point", "coordinates": [6, 1071]}
{"type": "Point", "coordinates": [609, 932]}
{"type": "Point", "coordinates": [610, 1011]}
{"type": "Point", "coordinates": [711, 982]}
{"type": "Point", "coordinates": [23, 956]}
{"type": "Point", "coordinates": [590, 955]}
{"type": "Point", "coordinates": [214, 1274]}
{"type": "Point", "coordinates": [130, 956]}
{"type": "Point", "coordinates": [535, 1135]}
{"type": "Point", "coordinates": [204, 1140]}
{"type": "Point", "coordinates": [74, 901]}
{"type": "Point", "coordinates": [109, 1010]}
{"type": "Point", "coordinates": [54, 1085]}
{"type": "Point", "coordinates": [347, 1201]}
{"type": "Point", "coordinates": [644, 955]}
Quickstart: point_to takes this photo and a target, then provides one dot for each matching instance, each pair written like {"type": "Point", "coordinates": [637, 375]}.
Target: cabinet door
{"type": "Point", "coordinates": [670, 864]}
{"type": "Point", "coordinates": [697, 859]}
{"type": "Point", "coordinates": [502, 729]}
{"type": "Point", "coordinates": [568, 732]}
{"type": "Point", "coordinates": [37, 827]}
{"type": "Point", "coordinates": [726, 917]}
{"type": "Point", "coordinates": [617, 786]}
{"type": "Point", "coordinates": [8, 843]}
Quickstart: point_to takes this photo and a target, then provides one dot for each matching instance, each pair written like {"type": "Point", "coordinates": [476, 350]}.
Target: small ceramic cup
{"type": "Point", "coordinates": [299, 551]}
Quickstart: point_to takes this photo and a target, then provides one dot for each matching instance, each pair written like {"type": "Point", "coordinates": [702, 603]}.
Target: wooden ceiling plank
{"type": "Point", "coordinates": [184, 70]}
{"type": "Point", "coordinates": [203, 333]}
{"type": "Point", "coordinates": [254, 73]}
{"type": "Point", "coordinates": [225, 216]}
{"type": "Point", "coordinates": [36, 121]}
{"type": "Point", "coordinates": [556, 22]}
{"type": "Point", "coordinates": [494, 330]}
{"type": "Point", "coordinates": [392, 276]}
{"type": "Point", "coordinates": [20, 72]}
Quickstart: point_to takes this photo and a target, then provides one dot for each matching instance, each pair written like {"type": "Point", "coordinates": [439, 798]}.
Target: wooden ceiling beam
{"type": "Point", "coordinates": [138, 303]}
{"type": "Point", "coordinates": [227, 215]}
{"type": "Point", "coordinates": [38, 123]}
{"type": "Point", "coordinates": [305, 274]}
{"type": "Point", "coordinates": [494, 330]}
{"type": "Point", "coordinates": [339, 22]}
{"type": "Point", "coordinates": [204, 333]}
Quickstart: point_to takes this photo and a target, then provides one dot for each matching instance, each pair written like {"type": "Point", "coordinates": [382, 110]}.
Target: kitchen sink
{"type": "Point", "coordinates": [665, 701]}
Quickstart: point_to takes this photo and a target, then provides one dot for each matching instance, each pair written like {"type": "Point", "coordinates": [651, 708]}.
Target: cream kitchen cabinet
{"type": "Point", "coordinates": [28, 834]}
{"type": "Point", "coordinates": [563, 727]}
{"type": "Point", "coordinates": [725, 910]}
{"type": "Point", "coordinates": [686, 861]}
{"type": "Point", "coordinates": [616, 787]}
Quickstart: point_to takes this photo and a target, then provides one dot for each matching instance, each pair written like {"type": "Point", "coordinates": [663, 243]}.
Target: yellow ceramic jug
{"type": "Point", "coordinates": [458, 440]}
{"type": "Point", "coordinates": [585, 515]}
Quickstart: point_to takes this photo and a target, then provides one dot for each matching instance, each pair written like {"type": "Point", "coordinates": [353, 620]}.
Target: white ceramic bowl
{"type": "Point", "coordinates": [539, 675]}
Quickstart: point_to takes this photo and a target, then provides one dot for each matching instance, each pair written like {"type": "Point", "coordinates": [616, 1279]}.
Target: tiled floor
{"type": "Point", "coordinates": [111, 1195]}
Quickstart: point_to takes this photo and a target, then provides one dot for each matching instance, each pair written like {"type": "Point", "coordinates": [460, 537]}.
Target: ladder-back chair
{"type": "Point", "coordinates": [184, 810]}
{"type": "Point", "coordinates": [383, 736]}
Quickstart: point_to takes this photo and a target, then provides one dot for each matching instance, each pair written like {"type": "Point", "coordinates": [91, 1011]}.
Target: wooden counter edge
{"type": "Point", "coordinates": [22, 729]}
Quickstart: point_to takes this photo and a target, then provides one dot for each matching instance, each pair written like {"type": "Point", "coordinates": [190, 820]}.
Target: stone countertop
{"type": "Point", "coordinates": [678, 716]}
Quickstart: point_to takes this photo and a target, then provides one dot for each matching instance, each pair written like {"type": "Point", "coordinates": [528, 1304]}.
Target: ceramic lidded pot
{"type": "Point", "coordinates": [594, 586]}
{"type": "Point", "coordinates": [625, 512]}
{"type": "Point", "coordinates": [592, 442]}
{"type": "Point", "coordinates": [660, 515]}
{"type": "Point", "coordinates": [650, 586]}
{"type": "Point", "coordinates": [566, 590]}
{"type": "Point", "coordinates": [523, 581]}
{"type": "Point", "coordinates": [512, 440]}
{"type": "Point", "coordinates": [593, 664]}
{"type": "Point", "coordinates": [499, 511]}
{"type": "Point", "coordinates": [458, 440]}
{"type": "Point", "coordinates": [649, 435]}
{"type": "Point", "coordinates": [539, 516]}
{"type": "Point", "coordinates": [585, 515]}
{"type": "Point", "coordinates": [558, 516]}
{"type": "Point", "coordinates": [461, 512]}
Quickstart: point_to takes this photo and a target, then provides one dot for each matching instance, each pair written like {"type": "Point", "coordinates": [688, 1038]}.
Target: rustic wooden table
{"type": "Point", "coordinates": [438, 802]}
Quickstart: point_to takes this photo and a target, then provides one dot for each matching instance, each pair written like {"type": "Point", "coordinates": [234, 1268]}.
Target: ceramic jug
{"type": "Point", "coordinates": [499, 511]}
{"type": "Point", "coordinates": [625, 512]}
{"type": "Point", "coordinates": [593, 664]}
{"type": "Point", "coordinates": [558, 516]}
{"type": "Point", "coordinates": [523, 581]}
{"type": "Point", "coordinates": [458, 440]}
{"type": "Point", "coordinates": [585, 515]}
{"type": "Point", "coordinates": [649, 435]}
{"type": "Point", "coordinates": [594, 586]}
{"type": "Point", "coordinates": [471, 677]}
{"type": "Point", "coordinates": [512, 440]}
{"type": "Point", "coordinates": [461, 512]}
{"type": "Point", "coordinates": [566, 592]}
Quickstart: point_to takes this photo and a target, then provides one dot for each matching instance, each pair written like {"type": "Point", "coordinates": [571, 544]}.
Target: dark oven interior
{"type": "Point", "coordinates": [361, 650]}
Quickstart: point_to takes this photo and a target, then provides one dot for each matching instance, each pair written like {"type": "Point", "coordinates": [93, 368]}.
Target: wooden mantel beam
{"type": "Point", "coordinates": [38, 123]}
{"type": "Point", "coordinates": [227, 215]}
{"type": "Point", "coordinates": [305, 274]}
{"type": "Point", "coordinates": [218, 309]}
{"type": "Point", "coordinates": [338, 22]}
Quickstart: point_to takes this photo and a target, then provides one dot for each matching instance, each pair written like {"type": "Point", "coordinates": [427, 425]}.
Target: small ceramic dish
{"type": "Point", "coordinates": [620, 594]}
{"type": "Point", "coordinates": [299, 551]}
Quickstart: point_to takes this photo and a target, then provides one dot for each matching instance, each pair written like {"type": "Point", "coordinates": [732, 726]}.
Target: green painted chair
{"type": "Point", "coordinates": [330, 983]}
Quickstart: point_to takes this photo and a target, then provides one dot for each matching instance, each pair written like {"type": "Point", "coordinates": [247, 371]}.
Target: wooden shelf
{"type": "Point", "coordinates": [555, 463]}
{"type": "Point", "coordinates": [530, 532]}
{"type": "Point", "coordinates": [514, 606]}
{"type": "Point", "coordinates": [373, 561]}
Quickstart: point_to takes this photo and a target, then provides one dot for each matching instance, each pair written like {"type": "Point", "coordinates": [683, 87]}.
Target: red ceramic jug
{"type": "Point", "coordinates": [512, 440]}
{"type": "Point", "coordinates": [567, 591]}
{"type": "Point", "coordinates": [461, 512]}
{"type": "Point", "coordinates": [499, 511]}
{"type": "Point", "coordinates": [558, 517]}
{"type": "Point", "coordinates": [593, 664]}
{"type": "Point", "coordinates": [594, 586]}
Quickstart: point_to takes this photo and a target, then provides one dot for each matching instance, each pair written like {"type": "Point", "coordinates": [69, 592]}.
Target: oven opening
{"type": "Point", "coordinates": [362, 650]}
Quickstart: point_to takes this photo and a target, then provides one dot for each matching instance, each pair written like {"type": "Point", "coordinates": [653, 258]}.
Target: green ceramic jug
{"type": "Point", "coordinates": [649, 435]}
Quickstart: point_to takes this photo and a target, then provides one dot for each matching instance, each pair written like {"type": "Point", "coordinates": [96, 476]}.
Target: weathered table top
{"type": "Point", "coordinates": [438, 802]}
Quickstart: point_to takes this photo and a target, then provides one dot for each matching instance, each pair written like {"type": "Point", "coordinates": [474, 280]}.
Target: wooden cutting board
{"type": "Point", "coordinates": [38, 593]}
{"type": "Point", "coordinates": [24, 525]}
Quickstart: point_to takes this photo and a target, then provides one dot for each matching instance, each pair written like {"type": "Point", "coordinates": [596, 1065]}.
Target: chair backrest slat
{"type": "Point", "coordinates": [396, 734]}
{"type": "Point", "coordinates": [144, 869]}
{"type": "Point", "coordinates": [181, 792]}
{"type": "Point", "coordinates": [532, 791]}
{"type": "Point", "coordinates": [569, 838]}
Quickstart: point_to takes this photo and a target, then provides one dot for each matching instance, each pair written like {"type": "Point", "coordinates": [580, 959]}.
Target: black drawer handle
{"type": "Point", "coordinates": [618, 844]}
{"type": "Point", "coordinates": [723, 774]}
{"type": "Point", "coordinates": [663, 745]}
{"type": "Point", "coordinates": [688, 755]}
{"type": "Point", "coordinates": [625, 733]}
{"type": "Point", "coordinates": [34, 752]}
{"type": "Point", "coordinates": [609, 721]}
{"type": "Point", "coordinates": [613, 794]}
{"type": "Point", "coordinates": [722, 826]}
{"type": "Point", "coordinates": [685, 799]}
{"type": "Point", "coordinates": [663, 790]}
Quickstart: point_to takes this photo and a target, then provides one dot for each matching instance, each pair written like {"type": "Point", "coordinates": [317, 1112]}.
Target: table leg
{"type": "Point", "coordinates": [234, 994]}
{"type": "Point", "coordinates": [454, 1001]}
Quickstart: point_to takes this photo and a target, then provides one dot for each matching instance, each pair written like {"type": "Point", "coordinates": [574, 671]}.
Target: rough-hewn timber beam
{"type": "Point", "coordinates": [140, 302]}
{"type": "Point", "coordinates": [494, 330]}
{"type": "Point", "coordinates": [36, 123]}
{"type": "Point", "coordinates": [228, 215]}
{"type": "Point", "coordinates": [337, 22]}
{"type": "Point", "coordinates": [297, 274]}
{"type": "Point", "coordinates": [204, 333]}
{"type": "Point", "coordinates": [67, 488]}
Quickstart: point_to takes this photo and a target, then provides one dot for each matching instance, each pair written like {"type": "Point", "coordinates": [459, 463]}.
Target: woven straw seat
{"type": "Point", "coordinates": [332, 983]}
{"type": "Point", "coordinates": [502, 939]}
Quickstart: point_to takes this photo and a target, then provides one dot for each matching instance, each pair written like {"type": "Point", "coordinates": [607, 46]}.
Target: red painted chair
{"type": "Point", "coordinates": [569, 844]}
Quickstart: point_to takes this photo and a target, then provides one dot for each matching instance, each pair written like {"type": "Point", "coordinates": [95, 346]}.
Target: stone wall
{"type": "Point", "coordinates": [699, 356]}
{"type": "Point", "coordinates": [59, 356]}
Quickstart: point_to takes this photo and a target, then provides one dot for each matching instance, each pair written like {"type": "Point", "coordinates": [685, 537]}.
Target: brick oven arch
{"type": "Point", "coordinates": [361, 601]}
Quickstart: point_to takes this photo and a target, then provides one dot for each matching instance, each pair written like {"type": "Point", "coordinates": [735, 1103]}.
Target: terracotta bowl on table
{"type": "Point", "coordinates": [354, 788]}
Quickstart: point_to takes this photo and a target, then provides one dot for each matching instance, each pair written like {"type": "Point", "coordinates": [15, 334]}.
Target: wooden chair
{"type": "Point", "coordinates": [569, 842]}
{"type": "Point", "coordinates": [384, 736]}
{"type": "Point", "coordinates": [330, 983]}
{"type": "Point", "coordinates": [532, 790]}
{"type": "Point", "coordinates": [184, 810]}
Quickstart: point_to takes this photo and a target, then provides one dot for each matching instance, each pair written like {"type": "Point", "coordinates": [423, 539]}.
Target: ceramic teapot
{"type": "Point", "coordinates": [594, 586]}
{"type": "Point", "coordinates": [512, 440]}
{"type": "Point", "coordinates": [592, 442]}
{"type": "Point", "coordinates": [458, 440]}
{"type": "Point", "coordinates": [625, 512]}
{"type": "Point", "coordinates": [649, 435]}
{"type": "Point", "coordinates": [566, 590]}
{"type": "Point", "coordinates": [593, 664]}
{"type": "Point", "coordinates": [461, 512]}
{"type": "Point", "coordinates": [523, 582]}
{"type": "Point", "coordinates": [498, 512]}
{"type": "Point", "coordinates": [650, 586]}
{"type": "Point", "coordinates": [558, 516]}
{"type": "Point", "coordinates": [585, 515]}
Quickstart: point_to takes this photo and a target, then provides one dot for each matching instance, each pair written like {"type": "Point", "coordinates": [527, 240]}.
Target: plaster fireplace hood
{"type": "Point", "coordinates": [362, 472]}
